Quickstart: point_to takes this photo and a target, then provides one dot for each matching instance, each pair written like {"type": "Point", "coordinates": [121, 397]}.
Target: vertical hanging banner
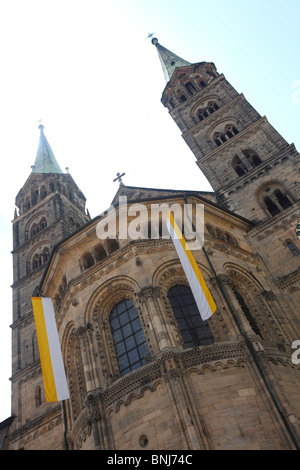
{"type": "Point", "coordinates": [201, 293]}
{"type": "Point", "coordinates": [55, 381]}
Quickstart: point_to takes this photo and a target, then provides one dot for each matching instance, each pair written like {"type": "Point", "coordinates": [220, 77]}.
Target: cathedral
{"type": "Point", "coordinates": [144, 371]}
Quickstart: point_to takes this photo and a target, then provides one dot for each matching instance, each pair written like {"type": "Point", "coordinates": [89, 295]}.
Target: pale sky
{"type": "Point", "coordinates": [86, 69]}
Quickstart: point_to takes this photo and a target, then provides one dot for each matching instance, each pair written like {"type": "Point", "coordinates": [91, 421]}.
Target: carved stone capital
{"type": "Point", "coordinates": [81, 330]}
{"type": "Point", "coordinates": [93, 406]}
{"type": "Point", "coordinates": [148, 292]}
{"type": "Point", "coordinates": [269, 295]}
{"type": "Point", "coordinates": [225, 279]}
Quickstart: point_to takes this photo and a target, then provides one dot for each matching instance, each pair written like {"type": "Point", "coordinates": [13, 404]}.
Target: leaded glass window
{"type": "Point", "coordinates": [130, 343]}
{"type": "Point", "coordinates": [194, 331]}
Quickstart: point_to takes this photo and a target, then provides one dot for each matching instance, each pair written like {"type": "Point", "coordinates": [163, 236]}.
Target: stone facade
{"type": "Point", "coordinates": [237, 391]}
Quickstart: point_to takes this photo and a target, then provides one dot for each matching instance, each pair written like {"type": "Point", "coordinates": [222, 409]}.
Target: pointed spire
{"type": "Point", "coordinates": [45, 161]}
{"type": "Point", "coordinates": [168, 60]}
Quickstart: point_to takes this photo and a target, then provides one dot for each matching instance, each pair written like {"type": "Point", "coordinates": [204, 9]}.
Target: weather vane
{"type": "Point", "coordinates": [119, 178]}
{"type": "Point", "coordinates": [150, 35]}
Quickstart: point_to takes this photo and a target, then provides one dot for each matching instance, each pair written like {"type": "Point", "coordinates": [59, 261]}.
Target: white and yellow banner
{"type": "Point", "coordinates": [55, 382]}
{"type": "Point", "coordinates": [201, 293]}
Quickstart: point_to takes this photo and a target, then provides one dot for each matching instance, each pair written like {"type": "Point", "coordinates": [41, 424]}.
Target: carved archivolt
{"type": "Point", "coordinates": [106, 296]}
{"type": "Point", "coordinates": [97, 313]}
{"type": "Point", "coordinates": [75, 373]}
{"type": "Point", "coordinates": [170, 274]}
{"type": "Point", "coordinates": [252, 291]}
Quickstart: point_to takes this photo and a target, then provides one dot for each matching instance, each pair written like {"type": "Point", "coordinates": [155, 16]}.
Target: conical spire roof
{"type": "Point", "coordinates": [45, 161]}
{"type": "Point", "coordinates": [168, 60]}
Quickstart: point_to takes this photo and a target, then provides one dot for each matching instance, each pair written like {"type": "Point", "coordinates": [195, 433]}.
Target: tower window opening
{"type": "Point", "coordinates": [238, 166]}
{"type": "Point", "coordinates": [190, 88]}
{"type": "Point", "coordinates": [282, 199]}
{"type": "Point", "coordinates": [172, 103]}
{"type": "Point", "coordinates": [37, 261]}
{"type": "Point", "coordinates": [212, 107]}
{"type": "Point", "coordinates": [252, 158]}
{"type": "Point", "coordinates": [231, 131]}
{"type": "Point", "coordinates": [271, 206]}
{"type": "Point", "coordinates": [45, 255]}
{"type": "Point", "coordinates": [239, 170]}
{"type": "Point", "coordinates": [182, 98]}
{"type": "Point", "coordinates": [43, 192]}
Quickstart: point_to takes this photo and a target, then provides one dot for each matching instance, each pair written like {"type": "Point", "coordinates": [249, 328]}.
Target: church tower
{"type": "Point", "coordinates": [253, 170]}
{"type": "Point", "coordinates": [247, 162]}
{"type": "Point", "coordinates": [50, 207]}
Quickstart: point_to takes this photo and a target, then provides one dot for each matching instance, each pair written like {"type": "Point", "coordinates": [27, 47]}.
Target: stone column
{"type": "Point", "coordinates": [147, 296]}
{"type": "Point", "coordinates": [81, 334]}
{"type": "Point", "coordinates": [96, 417]}
{"type": "Point", "coordinates": [183, 411]}
{"type": "Point", "coordinates": [227, 286]}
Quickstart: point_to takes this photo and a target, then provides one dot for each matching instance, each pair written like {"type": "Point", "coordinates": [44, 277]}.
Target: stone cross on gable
{"type": "Point", "coordinates": [119, 178]}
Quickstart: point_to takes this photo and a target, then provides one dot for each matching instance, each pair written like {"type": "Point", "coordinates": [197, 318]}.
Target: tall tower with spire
{"type": "Point", "coordinates": [49, 207]}
{"type": "Point", "coordinates": [247, 162]}
{"type": "Point", "coordinates": [252, 169]}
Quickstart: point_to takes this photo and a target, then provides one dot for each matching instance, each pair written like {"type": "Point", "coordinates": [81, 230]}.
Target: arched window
{"type": "Point", "coordinates": [37, 261]}
{"type": "Point", "coordinates": [211, 230]}
{"type": "Point", "coordinates": [100, 253]}
{"type": "Point", "coordinates": [247, 312]}
{"type": "Point", "coordinates": [271, 206]}
{"type": "Point", "coordinates": [219, 138]}
{"type": "Point", "coordinates": [239, 166]}
{"type": "Point", "coordinates": [34, 230]}
{"type": "Point", "coordinates": [292, 248]}
{"type": "Point", "coordinates": [231, 131]}
{"type": "Point", "coordinates": [112, 245]}
{"type": "Point", "coordinates": [231, 239]}
{"type": "Point", "coordinates": [43, 223]}
{"type": "Point", "coordinates": [220, 234]}
{"type": "Point", "coordinates": [202, 114]}
{"type": "Point", "coordinates": [34, 196]}
{"type": "Point", "coordinates": [172, 103]}
{"type": "Point", "coordinates": [45, 255]}
{"type": "Point", "coordinates": [282, 199]}
{"type": "Point", "coordinates": [87, 261]}
{"type": "Point", "coordinates": [212, 107]}
{"type": "Point", "coordinates": [129, 340]}
{"type": "Point", "coordinates": [26, 206]}
{"type": "Point", "coordinates": [182, 98]}
{"type": "Point", "coordinates": [194, 331]}
{"type": "Point", "coordinates": [43, 192]}
{"type": "Point", "coordinates": [275, 198]}
{"type": "Point", "coordinates": [190, 88]}
{"type": "Point", "coordinates": [252, 157]}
